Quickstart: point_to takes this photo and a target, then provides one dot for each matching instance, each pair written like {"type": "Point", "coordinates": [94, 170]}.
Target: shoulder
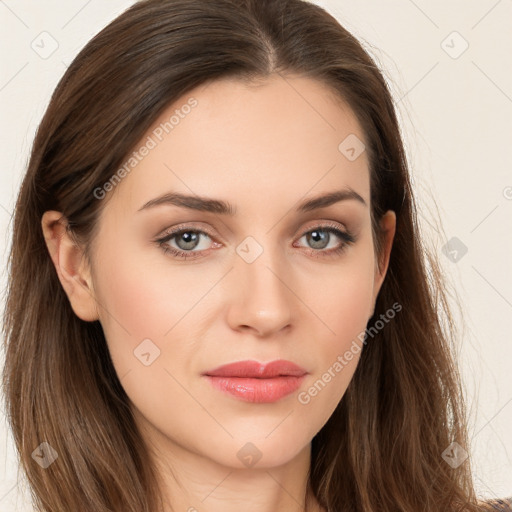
{"type": "Point", "coordinates": [502, 505]}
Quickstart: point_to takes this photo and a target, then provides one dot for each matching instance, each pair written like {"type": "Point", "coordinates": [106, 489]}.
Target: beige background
{"type": "Point", "coordinates": [456, 110]}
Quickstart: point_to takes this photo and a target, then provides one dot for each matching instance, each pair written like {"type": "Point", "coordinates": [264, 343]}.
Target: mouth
{"type": "Point", "coordinates": [251, 381]}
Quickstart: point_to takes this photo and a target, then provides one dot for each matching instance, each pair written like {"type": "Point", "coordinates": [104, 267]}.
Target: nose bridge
{"type": "Point", "coordinates": [263, 266]}
{"type": "Point", "coordinates": [263, 299]}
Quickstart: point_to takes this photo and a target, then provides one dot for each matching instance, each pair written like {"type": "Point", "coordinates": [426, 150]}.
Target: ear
{"type": "Point", "coordinates": [388, 226]}
{"type": "Point", "coordinates": [73, 272]}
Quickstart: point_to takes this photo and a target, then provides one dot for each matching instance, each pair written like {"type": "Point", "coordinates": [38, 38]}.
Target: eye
{"type": "Point", "coordinates": [320, 237]}
{"type": "Point", "coordinates": [186, 240]}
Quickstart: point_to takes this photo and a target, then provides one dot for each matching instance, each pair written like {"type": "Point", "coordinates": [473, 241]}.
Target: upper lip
{"type": "Point", "coordinates": [255, 369]}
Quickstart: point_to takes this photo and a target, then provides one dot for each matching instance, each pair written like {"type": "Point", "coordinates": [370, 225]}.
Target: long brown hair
{"type": "Point", "coordinates": [381, 450]}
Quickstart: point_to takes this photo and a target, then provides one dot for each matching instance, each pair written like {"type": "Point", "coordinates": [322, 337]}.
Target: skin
{"type": "Point", "coordinates": [263, 149]}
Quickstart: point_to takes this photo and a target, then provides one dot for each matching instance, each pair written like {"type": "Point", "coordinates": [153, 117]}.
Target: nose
{"type": "Point", "coordinates": [260, 296]}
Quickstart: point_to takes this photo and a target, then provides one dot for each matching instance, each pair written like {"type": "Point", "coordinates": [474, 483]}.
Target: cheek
{"type": "Point", "coordinates": [142, 299]}
{"type": "Point", "coordinates": [134, 305]}
{"type": "Point", "coordinates": [147, 329]}
{"type": "Point", "coordinates": [342, 297]}
{"type": "Point", "coordinates": [343, 304]}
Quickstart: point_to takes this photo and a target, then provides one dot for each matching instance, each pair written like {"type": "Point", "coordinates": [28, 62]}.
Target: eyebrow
{"type": "Point", "coordinates": [218, 206]}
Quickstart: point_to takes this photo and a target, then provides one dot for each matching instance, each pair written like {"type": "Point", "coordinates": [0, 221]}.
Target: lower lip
{"type": "Point", "coordinates": [257, 390]}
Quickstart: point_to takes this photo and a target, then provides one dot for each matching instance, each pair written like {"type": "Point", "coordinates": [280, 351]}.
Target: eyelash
{"type": "Point", "coordinates": [347, 237]}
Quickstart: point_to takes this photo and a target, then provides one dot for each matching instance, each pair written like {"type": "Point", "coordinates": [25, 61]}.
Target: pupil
{"type": "Point", "coordinates": [190, 239]}
{"type": "Point", "coordinates": [317, 237]}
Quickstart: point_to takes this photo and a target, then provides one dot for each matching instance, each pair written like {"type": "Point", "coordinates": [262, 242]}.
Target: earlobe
{"type": "Point", "coordinates": [73, 273]}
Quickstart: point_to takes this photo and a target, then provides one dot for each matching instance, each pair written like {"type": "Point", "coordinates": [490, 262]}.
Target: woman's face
{"type": "Point", "coordinates": [264, 280]}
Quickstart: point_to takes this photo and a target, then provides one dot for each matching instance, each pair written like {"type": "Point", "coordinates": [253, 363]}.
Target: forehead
{"type": "Point", "coordinates": [275, 140]}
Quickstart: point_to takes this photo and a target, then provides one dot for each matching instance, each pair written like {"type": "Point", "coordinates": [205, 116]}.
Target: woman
{"type": "Point", "coordinates": [217, 282]}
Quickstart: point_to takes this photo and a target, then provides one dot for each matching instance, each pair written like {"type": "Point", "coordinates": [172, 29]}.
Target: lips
{"type": "Point", "coordinates": [255, 382]}
{"type": "Point", "coordinates": [253, 369]}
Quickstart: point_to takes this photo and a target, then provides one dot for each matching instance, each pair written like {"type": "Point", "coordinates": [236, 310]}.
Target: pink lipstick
{"type": "Point", "coordinates": [256, 382]}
